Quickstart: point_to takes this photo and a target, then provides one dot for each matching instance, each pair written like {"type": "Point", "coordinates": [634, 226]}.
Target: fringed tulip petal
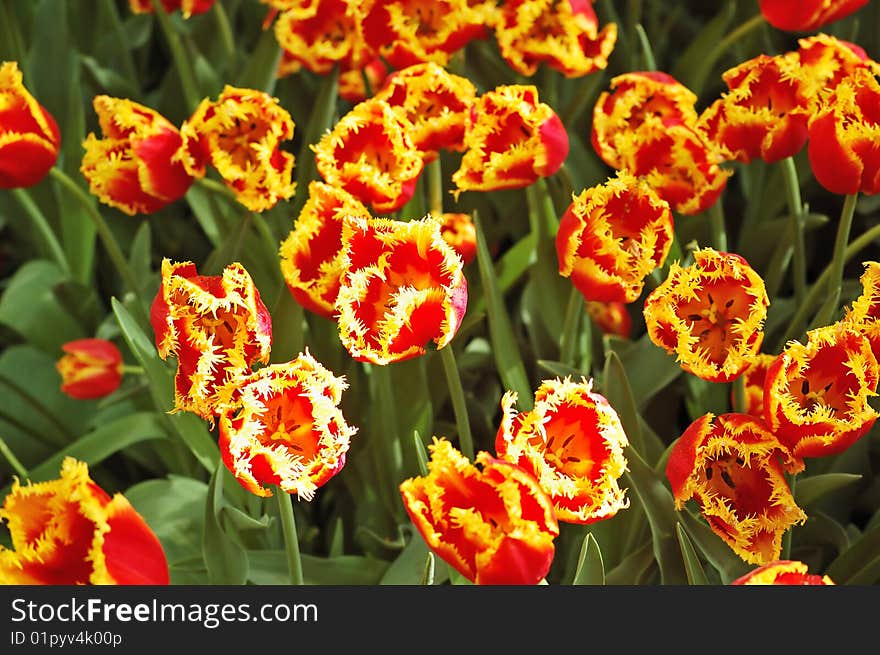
{"type": "Point", "coordinates": [285, 428]}
{"type": "Point", "coordinates": [403, 287]}
{"type": "Point", "coordinates": [311, 255]}
{"type": "Point", "coordinates": [816, 395]}
{"type": "Point", "coordinates": [70, 532]}
{"type": "Point", "coordinates": [370, 153]}
{"type": "Point", "coordinates": [710, 314]}
{"type": "Point", "coordinates": [512, 140]}
{"type": "Point", "coordinates": [612, 236]}
{"type": "Point", "coordinates": [492, 523]}
{"type": "Point", "coordinates": [731, 465]}
{"type": "Point", "coordinates": [240, 134]}
{"type": "Point", "coordinates": [573, 443]}
{"type": "Point", "coordinates": [216, 326]}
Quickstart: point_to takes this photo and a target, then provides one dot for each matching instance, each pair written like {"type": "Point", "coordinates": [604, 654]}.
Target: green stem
{"type": "Point", "coordinates": [796, 325]}
{"type": "Point", "coordinates": [568, 340]}
{"type": "Point", "coordinates": [104, 233]}
{"type": "Point", "coordinates": [130, 369]}
{"type": "Point", "coordinates": [13, 460]}
{"type": "Point", "coordinates": [739, 394]}
{"type": "Point", "coordinates": [647, 51]}
{"type": "Point", "coordinates": [291, 540]}
{"type": "Point", "coordinates": [389, 454]}
{"type": "Point", "coordinates": [838, 260]}
{"type": "Point", "coordinates": [181, 60]}
{"type": "Point", "coordinates": [47, 235]}
{"type": "Point", "coordinates": [121, 42]}
{"type": "Point", "coordinates": [716, 227]}
{"type": "Point", "coordinates": [459, 405]}
{"type": "Point", "coordinates": [796, 210]}
{"type": "Point", "coordinates": [435, 187]}
{"type": "Point", "coordinates": [226, 38]}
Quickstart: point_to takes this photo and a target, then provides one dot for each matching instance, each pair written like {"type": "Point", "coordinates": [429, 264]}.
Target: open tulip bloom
{"type": "Point", "coordinates": [512, 140]}
{"type": "Point", "coordinates": [572, 442]}
{"type": "Point", "coordinates": [564, 35]}
{"type": "Point", "coordinates": [612, 236]}
{"type": "Point", "coordinates": [710, 314]}
{"type": "Point", "coordinates": [732, 466]}
{"type": "Point", "coordinates": [403, 288]}
{"type": "Point", "coordinates": [286, 429]}
{"type": "Point", "coordinates": [69, 531]}
{"type": "Point", "coordinates": [240, 135]}
{"type": "Point", "coordinates": [491, 521]}
{"type": "Point", "coordinates": [371, 154]}
{"type": "Point", "coordinates": [436, 103]}
{"type": "Point", "coordinates": [816, 393]}
{"type": "Point", "coordinates": [216, 326]}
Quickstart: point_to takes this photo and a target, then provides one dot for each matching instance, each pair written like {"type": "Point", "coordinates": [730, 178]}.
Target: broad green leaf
{"type": "Point", "coordinates": [650, 369]}
{"type": "Point", "coordinates": [140, 257]}
{"type": "Point", "coordinates": [504, 345]}
{"type": "Point", "coordinates": [96, 446]}
{"type": "Point", "coordinates": [635, 568]}
{"type": "Point", "coordinates": [695, 573]}
{"type": "Point", "coordinates": [260, 68]}
{"type": "Point", "coordinates": [809, 490]}
{"type": "Point", "coordinates": [108, 80]}
{"type": "Point", "coordinates": [819, 530]}
{"type": "Point", "coordinates": [30, 308]}
{"type": "Point", "coordinates": [590, 569]}
{"type": "Point", "coordinates": [860, 564]}
{"type": "Point", "coordinates": [615, 387]}
{"type": "Point", "coordinates": [658, 504]}
{"type": "Point", "coordinates": [174, 510]}
{"type": "Point", "coordinates": [512, 265]}
{"type": "Point", "coordinates": [697, 60]}
{"type": "Point", "coordinates": [189, 427]}
{"type": "Point", "coordinates": [225, 558]}
{"type": "Point", "coordinates": [408, 567]}
{"type": "Point", "coordinates": [36, 418]}
{"type": "Point", "coordinates": [269, 567]}
{"type": "Point", "coordinates": [718, 553]}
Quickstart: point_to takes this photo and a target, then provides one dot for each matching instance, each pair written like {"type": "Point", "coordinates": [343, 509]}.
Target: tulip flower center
{"type": "Point", "coordinates": [815, 393]}
{"type": "Point", "coordinates": [423, 18]}
{"type": "Point", "coordinates": [510, 130]}
{"type": "Point", "coordinates": [711, 321]}
{"type": "Point", "coordinates": [775, 95]}
{"type": "Point", "coordinates": [238, 142]}
{"type": "Point", "coordinates": [223, 328]}
{"type": "Point", "coordinates": [567, 447]}
{"type": "Point", "coordinates": [288, 420]}
{"type": "Point", "coordinates": [730, 477]}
